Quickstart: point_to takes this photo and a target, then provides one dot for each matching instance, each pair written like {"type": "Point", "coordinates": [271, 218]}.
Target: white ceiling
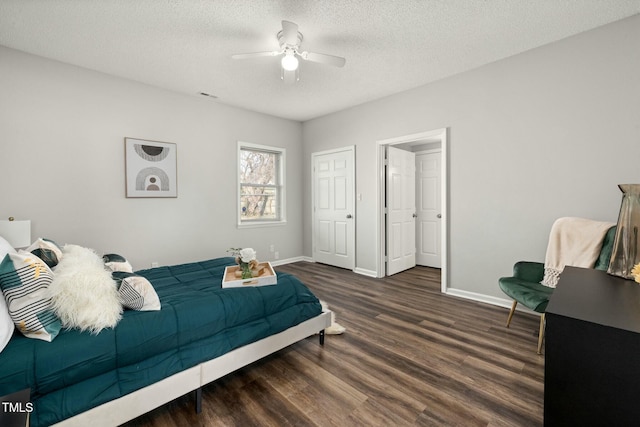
{"type": "Point", "coordinates": [390, 45]}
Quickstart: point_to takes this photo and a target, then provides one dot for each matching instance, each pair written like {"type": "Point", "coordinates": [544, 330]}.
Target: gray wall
{"type": "Point", "coordinates": [544, 134]}
{"type": "Point", "coordinates": [62, 132]}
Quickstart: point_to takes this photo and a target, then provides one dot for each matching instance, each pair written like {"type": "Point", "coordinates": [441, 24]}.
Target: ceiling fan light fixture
{"type": "Point", "coordinates": [289, 39]}
{"type": "Point", "coordinates": [289, 61]}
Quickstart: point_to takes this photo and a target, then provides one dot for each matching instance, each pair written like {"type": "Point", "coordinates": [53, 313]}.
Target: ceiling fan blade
{"type": "Point", "coordinates": [255, 55]}
{"type": "Point", "coordinates": [322, 58]}
{"type": "Point", "coordinates": [290, 33]}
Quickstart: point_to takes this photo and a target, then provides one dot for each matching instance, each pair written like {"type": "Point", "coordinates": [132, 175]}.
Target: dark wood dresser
{"type": "Point", "coordinates": [592, 351]}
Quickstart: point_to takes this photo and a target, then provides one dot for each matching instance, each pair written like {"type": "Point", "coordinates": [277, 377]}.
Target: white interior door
{"type": "Point", "coordinates": [401, 205]}
{"type": "Point", "coordinates": [428, 195]}
{"type": "Point", "coordinates": [333, 208]}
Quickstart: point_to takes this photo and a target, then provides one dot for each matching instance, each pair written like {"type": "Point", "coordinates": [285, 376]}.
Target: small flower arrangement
{"type": "Point", "coordinates": [635, 272]}
{"type": "Point", "coordinates": [246, 259]}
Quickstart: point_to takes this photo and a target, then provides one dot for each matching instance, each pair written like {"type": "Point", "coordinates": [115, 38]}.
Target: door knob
{"type": "Point", "coordinates": [349, 216]}
{"type": "Point", "coordinates": [439, 215]}
{"type": "Point", "coordinates": [415, 215]}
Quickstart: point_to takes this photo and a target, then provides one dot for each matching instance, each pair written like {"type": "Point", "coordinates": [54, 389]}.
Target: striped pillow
{"type": "Point", "coordinates": [24, 279]}
{"type": "Point", "coordinates": [47, 250]}
{"type": "Point", "coordinates": [136, 292]}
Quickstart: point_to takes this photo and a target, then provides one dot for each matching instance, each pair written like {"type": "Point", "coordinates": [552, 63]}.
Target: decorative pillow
{"type": "Point", "coordinates": [6, 322]}
{"type": "Point", "coordinates": [117, 262]}
{"type": "Point", "coordinates": [136, 292]}
{"type": "Point", "coordinates": [83, 294]}
{"type": "Point", "coordinates": [47, 250]}
{"type": "Point", "coordinates": [24, 279]}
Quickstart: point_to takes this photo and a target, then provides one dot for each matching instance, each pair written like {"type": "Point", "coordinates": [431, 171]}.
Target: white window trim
{"type": "Point", "coordinates": [283, 185]}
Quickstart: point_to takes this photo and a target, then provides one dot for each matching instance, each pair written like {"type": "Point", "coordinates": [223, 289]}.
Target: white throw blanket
{"type": "Point", "coordinates": [573, 241]}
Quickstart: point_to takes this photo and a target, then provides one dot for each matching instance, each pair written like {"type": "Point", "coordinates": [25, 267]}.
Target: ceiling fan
{"type": "Point", "coordinates": [290, 39]}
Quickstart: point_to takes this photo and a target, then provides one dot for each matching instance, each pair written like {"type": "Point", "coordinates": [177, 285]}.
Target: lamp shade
{"type": "Point", "coordinates": [17, 233]}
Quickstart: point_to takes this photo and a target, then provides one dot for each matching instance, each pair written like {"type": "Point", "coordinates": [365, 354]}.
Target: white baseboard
{"type": "Point", "coordinates": [487, 299]}
{"type": "Point", "coordinates": [290, 260]}
{"type": "Point", "coordinates": [365, 272]}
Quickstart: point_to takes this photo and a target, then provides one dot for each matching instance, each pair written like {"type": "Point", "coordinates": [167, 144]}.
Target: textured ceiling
{"type": "Point", "coordinates": [390, 46]}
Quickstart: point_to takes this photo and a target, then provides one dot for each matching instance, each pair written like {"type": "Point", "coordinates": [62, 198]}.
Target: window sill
{"type": "Point", "coordinates": [258, 224]}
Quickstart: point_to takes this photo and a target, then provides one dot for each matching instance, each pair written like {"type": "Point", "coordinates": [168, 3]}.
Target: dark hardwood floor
{"type": "Point", "coordinates": [410, 356]}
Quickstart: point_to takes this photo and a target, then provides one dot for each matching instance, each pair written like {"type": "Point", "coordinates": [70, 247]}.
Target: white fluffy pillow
{"type": "Point", "coordinates": [83, 294]}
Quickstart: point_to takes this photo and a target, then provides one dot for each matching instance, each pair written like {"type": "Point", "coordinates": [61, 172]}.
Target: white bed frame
{"type": "Point", "coordinates": [141, 401]}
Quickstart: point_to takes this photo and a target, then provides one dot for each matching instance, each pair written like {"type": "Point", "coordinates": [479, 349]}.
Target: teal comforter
{"type": "Point", "coordinates": [199, 321]}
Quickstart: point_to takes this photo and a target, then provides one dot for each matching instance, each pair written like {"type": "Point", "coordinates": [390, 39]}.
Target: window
{"type": "Point", "coordinates": [261, 184]}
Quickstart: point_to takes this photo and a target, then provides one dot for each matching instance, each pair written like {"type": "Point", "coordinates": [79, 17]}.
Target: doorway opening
{"type": "Point", "coordinates": [425, 142]}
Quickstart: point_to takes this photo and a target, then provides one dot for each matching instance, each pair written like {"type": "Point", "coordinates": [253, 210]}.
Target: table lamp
{"type": "Point", "coordinates": [17, 233]}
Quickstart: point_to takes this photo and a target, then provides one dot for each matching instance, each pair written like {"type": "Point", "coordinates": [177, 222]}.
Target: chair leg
{"type": "Point", "coordinates": [513, 309]}
{"type": "Point", "coordinates": [541, 334]}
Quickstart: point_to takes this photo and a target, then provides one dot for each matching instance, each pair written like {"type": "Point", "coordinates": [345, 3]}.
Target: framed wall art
{"type": "Point", "coordinates": [150, 168]}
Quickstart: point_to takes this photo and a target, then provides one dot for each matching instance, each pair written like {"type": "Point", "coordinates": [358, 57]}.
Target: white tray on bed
{"type": "Point", "coordinates": [267, 276]}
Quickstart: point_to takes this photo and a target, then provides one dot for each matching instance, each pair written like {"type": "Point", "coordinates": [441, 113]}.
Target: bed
{"type": "Point", "coordinates": [201, 333]}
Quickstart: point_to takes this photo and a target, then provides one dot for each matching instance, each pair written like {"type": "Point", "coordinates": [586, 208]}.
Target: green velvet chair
{"type": "Point", "coordinates": [524, 286]}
